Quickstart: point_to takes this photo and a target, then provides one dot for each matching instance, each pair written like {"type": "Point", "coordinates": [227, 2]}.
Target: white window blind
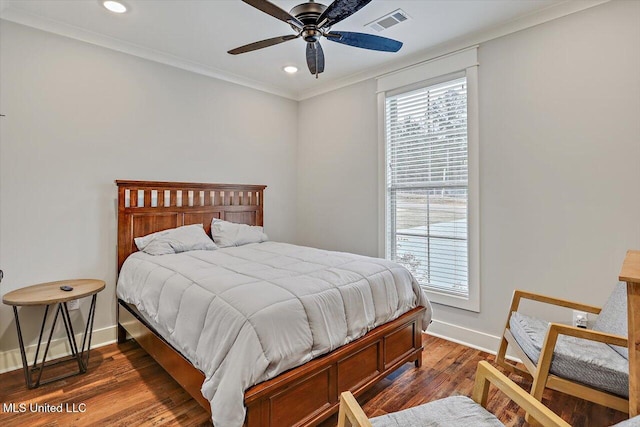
{"type": "Point", "coordinates": [427, 184]}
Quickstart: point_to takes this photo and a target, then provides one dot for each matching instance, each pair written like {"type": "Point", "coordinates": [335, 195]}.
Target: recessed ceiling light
{"type": "Point", "coordinates": [114, 6]}
{"type": "Point", "coordinates": [290, 69]}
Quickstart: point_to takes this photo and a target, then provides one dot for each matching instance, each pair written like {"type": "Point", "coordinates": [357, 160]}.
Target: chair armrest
{"type": "Point", "coordinates": [350, 413]}
{"type": "Point", "coordinates": [486, 374]}
{"type": "Point", "coordinates": [518, 295]}
{"type": "Point", "coordinates": [588, 334]}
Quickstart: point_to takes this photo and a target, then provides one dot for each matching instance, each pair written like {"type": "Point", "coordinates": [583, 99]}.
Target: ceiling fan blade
{"type": "Point", "coordinates": [261, 44]}
{"type": "Point", "coordinates": [315, 58]}
{"type": "Point", "coordinates": [365, 41]}
{"type": "Point", "coordinates": [273, 10]}
{"type": "Point", "coordinates": [339, 10]}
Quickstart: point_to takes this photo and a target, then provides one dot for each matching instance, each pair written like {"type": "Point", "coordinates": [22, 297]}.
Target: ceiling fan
{"type": "Point", "coordinates": [311, 21]}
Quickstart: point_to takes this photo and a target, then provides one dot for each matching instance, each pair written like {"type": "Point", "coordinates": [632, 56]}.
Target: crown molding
{"type": "Point", "coordinates": [547, 14]}
{"type": "Point", "coordinates": [550, 13]}
{"type": "Point", "coordinates": [22, 17]}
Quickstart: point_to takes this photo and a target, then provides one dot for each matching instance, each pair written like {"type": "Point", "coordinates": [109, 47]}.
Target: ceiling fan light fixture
{"type": "Point", "coordinates": [290, 69]}
{"type": "Point", "coordinates": [114, 6]}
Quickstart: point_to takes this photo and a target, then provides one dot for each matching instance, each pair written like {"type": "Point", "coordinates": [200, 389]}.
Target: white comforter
{"type": "Point", "coordinates": [243, 315]}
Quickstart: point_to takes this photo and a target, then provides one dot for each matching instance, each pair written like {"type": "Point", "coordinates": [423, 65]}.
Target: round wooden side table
{"type": "Point", "coordinates": [49, 294]}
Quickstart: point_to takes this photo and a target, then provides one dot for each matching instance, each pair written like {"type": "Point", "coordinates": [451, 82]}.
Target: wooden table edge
{"type": "Point", "coordinates": [64, 296]}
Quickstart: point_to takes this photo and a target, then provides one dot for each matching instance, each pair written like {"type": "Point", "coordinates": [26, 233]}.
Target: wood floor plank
{"type": "Point", "coordinates": [126, 387]}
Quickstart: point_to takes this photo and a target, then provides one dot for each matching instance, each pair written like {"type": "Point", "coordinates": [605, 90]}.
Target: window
{"type": "Point", "coordinates": [427, 183]}
{"type": "Point", "coordinates": [430, 223]}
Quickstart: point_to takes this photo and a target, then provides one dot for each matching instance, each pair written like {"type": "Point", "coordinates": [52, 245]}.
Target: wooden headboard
{"type": "Point", "coordinates": [148, 206]}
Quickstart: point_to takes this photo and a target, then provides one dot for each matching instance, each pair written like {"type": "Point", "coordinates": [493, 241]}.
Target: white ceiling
{"type": "Point", "coordinates": [196, 34]}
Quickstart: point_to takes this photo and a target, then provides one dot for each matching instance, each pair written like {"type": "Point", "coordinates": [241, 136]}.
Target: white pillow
{"type": "Point", "coordinates": [176, 240]}
{"type": "Point", "coordinates": [227, 234]}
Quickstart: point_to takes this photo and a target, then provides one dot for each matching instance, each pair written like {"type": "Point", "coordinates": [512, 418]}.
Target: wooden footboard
{"type": "Point", "coordinates": [310, 393]}
{"type": "Point", "coordinates": [305, 395]}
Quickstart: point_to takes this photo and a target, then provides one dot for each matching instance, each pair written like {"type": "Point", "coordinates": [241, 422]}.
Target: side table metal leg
{"type": "Point", "coordinates": [23, 355]}
{"type": "Point", "coordinates": [44, 320]}
{"type": "Point", "coordinates": [71, 337]}
{"type": "Point", "coordinates": [89, 328]}
{"type": "Point", "coordinates": [46, 349]}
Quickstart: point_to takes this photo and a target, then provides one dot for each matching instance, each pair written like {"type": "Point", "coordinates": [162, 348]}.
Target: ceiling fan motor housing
{"type": "Point", "coordinates": [308, 14]}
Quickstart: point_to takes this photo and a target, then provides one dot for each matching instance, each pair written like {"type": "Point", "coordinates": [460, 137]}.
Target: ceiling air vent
{"type": "Point", "coordinates": [388, 20]}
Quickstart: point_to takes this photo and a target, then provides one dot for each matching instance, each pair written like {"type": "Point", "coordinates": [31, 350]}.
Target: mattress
{"type": "Point", "coordinates": [243, 315]}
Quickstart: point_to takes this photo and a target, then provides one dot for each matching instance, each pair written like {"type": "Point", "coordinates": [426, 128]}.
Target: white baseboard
{"type": "Point", "coordinates": [10, 360]}
{"type": "Point", "coordinates": [467, 337]}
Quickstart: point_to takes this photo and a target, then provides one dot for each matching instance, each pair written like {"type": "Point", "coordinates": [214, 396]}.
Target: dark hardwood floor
{"type": "Point", "coordinates": [125, 387]}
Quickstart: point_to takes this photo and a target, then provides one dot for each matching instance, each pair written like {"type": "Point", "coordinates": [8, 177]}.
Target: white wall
{"type": "Point", "coordinates": [337, 170]}
{"type": "Point", "coordinates": [78, 117]}
{"type": "Point", "coordinates": [559, 159]}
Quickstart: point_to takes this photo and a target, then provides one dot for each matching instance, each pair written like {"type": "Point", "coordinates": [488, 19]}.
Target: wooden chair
{"type": "Point", "coordinates": [456, 410]}
{"type": "Point", "coordinates": [592, 364]}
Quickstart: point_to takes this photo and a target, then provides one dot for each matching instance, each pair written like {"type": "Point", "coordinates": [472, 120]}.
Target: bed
{"type": "Point", "coordinates": [302, 395]}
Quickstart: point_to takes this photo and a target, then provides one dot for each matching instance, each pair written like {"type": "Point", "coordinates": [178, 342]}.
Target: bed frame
{"type": "Point", "coordinates": [301, 396]}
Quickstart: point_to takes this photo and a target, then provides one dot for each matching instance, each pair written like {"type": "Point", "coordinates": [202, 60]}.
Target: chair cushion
{"type": "Point", "coordinates": [613, 317]}
{"type": "Point", "coordinates": [454, 411]}
{"type": "Point", "coordinates": [631, 422]}
{"type": "Point", "coordinates": [588, 362]}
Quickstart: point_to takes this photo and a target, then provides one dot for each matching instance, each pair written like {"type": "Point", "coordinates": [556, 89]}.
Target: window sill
{"type": "Point", "coordinates": [471, 303]}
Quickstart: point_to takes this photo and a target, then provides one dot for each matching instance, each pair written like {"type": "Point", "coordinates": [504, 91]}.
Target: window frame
{"type": "Point", "coordinates": [422, 75]}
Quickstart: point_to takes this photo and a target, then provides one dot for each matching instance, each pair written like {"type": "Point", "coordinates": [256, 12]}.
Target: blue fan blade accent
{"type": "Point", "coordinates": [315, 58]}
{"type": "Point", "coordinates": [339, 10]}
{"type": "Point", "coordinates": [365, 41]}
